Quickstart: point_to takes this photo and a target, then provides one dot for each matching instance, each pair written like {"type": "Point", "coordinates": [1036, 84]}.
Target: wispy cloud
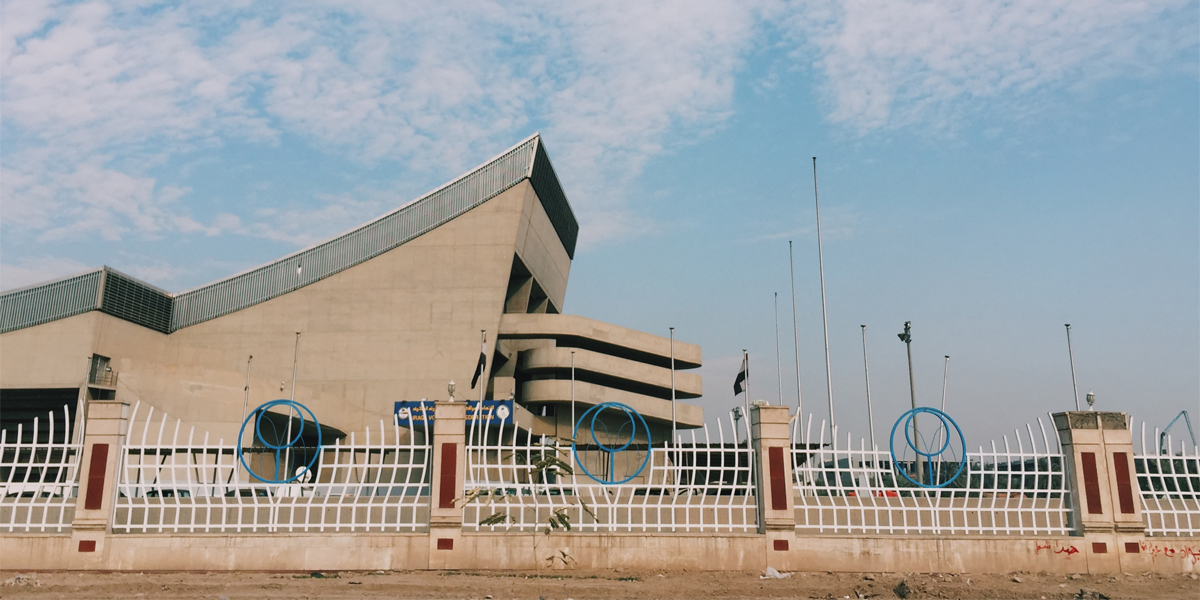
{"type": "Point", "coordinates": [926, 63]}
{"type": "Point", "coordinates": [29, 270]}
{"type": "Point", "coordinates": [97, 95]}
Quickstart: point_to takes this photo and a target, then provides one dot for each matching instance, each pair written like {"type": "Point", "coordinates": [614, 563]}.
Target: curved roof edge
{"type": "Point", "coordinates": [62, 298]}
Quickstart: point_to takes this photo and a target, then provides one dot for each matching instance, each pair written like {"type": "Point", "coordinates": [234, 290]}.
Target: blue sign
{"type": "Point", "coordinates": [493, 412]}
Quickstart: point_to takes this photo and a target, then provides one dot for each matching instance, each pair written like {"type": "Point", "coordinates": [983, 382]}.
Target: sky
{"type": "Point", "coordinates": [988, 170]}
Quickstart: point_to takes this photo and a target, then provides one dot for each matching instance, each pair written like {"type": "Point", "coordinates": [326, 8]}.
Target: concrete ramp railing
{"type": "Point", "coordinates": [1019, 487]}
{"type": "Point", "coordinates": [173, 480]}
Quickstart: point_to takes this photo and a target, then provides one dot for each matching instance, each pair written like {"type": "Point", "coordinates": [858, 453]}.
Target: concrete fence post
{"type": "Point", "coordinates": [773, 471]}
{"type": "Point", "coordinates": [1106, 504]}
{"type": "Point", "coordinates": [446, 489]}
{"type": "Point", "coordinates": [104, 437]}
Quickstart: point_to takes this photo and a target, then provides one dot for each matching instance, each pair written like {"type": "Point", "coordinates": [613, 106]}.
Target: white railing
{"type": "Point", "coordinates": [1168, 477]}
{"type": "Point", "coordinates": [1009, 490]}
{"type": "Point", "coordinates": [40, 480]}
{"type": "Point", "coordinates": [170, 481]}
{"type": "Point", "coordinates": [697, 485]}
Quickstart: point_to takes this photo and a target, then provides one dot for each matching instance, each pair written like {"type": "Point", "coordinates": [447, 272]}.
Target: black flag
{"type": "Point", "coordinates": [739, 384]}
{"type": "Point", "coordinates": [482, 362]}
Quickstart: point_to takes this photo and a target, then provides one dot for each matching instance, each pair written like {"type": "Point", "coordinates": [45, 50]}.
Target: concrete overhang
{"type": "Point", "coordinates": [604, 338]}
{"type": "Point", "coordinates": [631, 375]}
{"type": "Point", "coordinates": [587, 395]}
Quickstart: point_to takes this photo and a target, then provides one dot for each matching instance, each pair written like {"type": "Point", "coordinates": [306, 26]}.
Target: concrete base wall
{"type": "Point", "coordinates": [360, 552]}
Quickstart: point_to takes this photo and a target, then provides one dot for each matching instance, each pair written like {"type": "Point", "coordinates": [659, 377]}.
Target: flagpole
{"type": "Point", "coordinates": [483, 374]}
{"type": "Point", "coordinates": [287, 457]}
{"type": "Point", "coordinates": [572, 427]}
{"type": "Point", "coordinates": [673, 423]}
{"type": "Point", "coordinates": [778, 365]}
{"type": "Point", "coordinates": [867, 375]}
{"type": "Point", "coordinates": [1071, 355]}
{"type": "Point", "coordinates": [245, 405]}
{"type": "Point", "coordinates": [824, 311]}
{"type": "Point", "coordinates": [945, 379]}
{"type": "Point", "coordinates": [746, 357]}
{"type": "Point", "coordinates": [796, 341]}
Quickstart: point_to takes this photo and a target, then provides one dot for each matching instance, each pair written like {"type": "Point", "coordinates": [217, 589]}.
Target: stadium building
{"type": "Point", "coordinates": [391, 311]}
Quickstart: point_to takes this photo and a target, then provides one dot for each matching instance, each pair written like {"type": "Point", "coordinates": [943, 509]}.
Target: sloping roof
{"type": "Point", "coordinates": [123, 296]}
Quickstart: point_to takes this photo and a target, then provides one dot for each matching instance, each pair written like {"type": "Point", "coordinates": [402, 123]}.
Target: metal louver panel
{"type": "Point", "coordinates": [60, 299]}
{"type": "Point", "coordinates": [550, 192]}
{"type": "Point", "coordinates": [366, 242]}
{"type": "Point", "coordinates": [137, 302]}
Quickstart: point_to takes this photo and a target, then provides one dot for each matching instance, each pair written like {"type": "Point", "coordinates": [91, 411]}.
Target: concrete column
{"type": "Point", "coordinates": [107, 423]}
{"type": "Point", "coordinates": [773, 469]}
{"type": "Point", "coordinates": [1106, 503]}
{"type": "Point", "coordinates": [446, 489]}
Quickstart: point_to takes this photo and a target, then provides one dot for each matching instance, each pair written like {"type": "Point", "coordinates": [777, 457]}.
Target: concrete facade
{"type": "Point", "coordinates": [398, 326]}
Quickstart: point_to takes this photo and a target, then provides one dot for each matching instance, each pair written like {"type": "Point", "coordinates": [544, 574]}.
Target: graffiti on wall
{"type": "Point", "coordinates": [1155, 550]}
{"type": "Point", "coordinates": [1055, 548]}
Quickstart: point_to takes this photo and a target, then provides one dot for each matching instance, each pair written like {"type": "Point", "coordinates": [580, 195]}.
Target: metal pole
{"type": "Point", "coordinates": [778, 365]}
{"type": "Point", "coordinates": [867, 374]}
{"type": "Point", "coordinates": [287, 456]}
{"type": "Point", "coordinates": [796, 341]}
{"type": "Point", "coordinates": [945, 379]}
{"type": "Point", "coordinates": [906, 337]}
{"type": "Point", "coordinates": [746, 356]}
{"type": "Point", "coordinates": [485, 375]}
{"type": "Point", "coordinates": [824, 311]}
{"type": "Point", "coordinates": [245, 405]}
{"type": "Point", "coordinates": [673, 426]}
{"type": "Point", "coordinates": [572, 428]}
{"type": "Point", "coordinates": [1072, 357]}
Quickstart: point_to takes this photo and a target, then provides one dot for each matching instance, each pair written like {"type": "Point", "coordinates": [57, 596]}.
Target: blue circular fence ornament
{"type": "Point", "coordinates": [592, 417]}
{"type": "Point", "coordinates": [939, 451]}
{"type": "Point", "coordinates": [278, 448]}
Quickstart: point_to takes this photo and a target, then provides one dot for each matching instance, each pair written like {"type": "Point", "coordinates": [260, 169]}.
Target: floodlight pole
{"type": "Point", "coordinates": [824, 311]}
{"type": "Point", "coordinates": [796, 342]}
{"type": "Point", "coordinates": [906, 337]}
{"type": "Point", "coordinates": [1071, 355]}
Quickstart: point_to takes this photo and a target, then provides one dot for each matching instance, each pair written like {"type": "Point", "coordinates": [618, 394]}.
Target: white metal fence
{"type": "Point", "coordinates": [1016, 489]}
{"type": "Point", "coordinates": [40, 479]}
{"type": "Point", "coordinates": [170, 481]}
{"type": "Point", "coordinates": [1168, 476]}
{"type": "Point", "coordinates": [696, 485]}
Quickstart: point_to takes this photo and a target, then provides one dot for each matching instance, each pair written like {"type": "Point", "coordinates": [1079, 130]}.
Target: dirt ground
{"type": "Point", "coordinates": [581, 585]}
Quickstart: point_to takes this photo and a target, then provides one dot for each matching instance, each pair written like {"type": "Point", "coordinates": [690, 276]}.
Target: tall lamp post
{"type": "Point", "coordinates": [906, 337]}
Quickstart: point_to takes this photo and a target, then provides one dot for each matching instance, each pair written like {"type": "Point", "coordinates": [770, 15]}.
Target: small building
{"type": "Point", "coordinates": [390, 311]}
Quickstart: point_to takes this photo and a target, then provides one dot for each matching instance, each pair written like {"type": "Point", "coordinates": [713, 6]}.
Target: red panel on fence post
{"type": "Point", "coordinates": [778, 482]}
{"type": "Point", "coordinates": [1124, 487]}
{"type": "Point", "coordinates": [449, 471]}
{"type": "Point", "coordinates": [1091, 483]}
{"type": "Point", "coordinates": [95, 489]}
